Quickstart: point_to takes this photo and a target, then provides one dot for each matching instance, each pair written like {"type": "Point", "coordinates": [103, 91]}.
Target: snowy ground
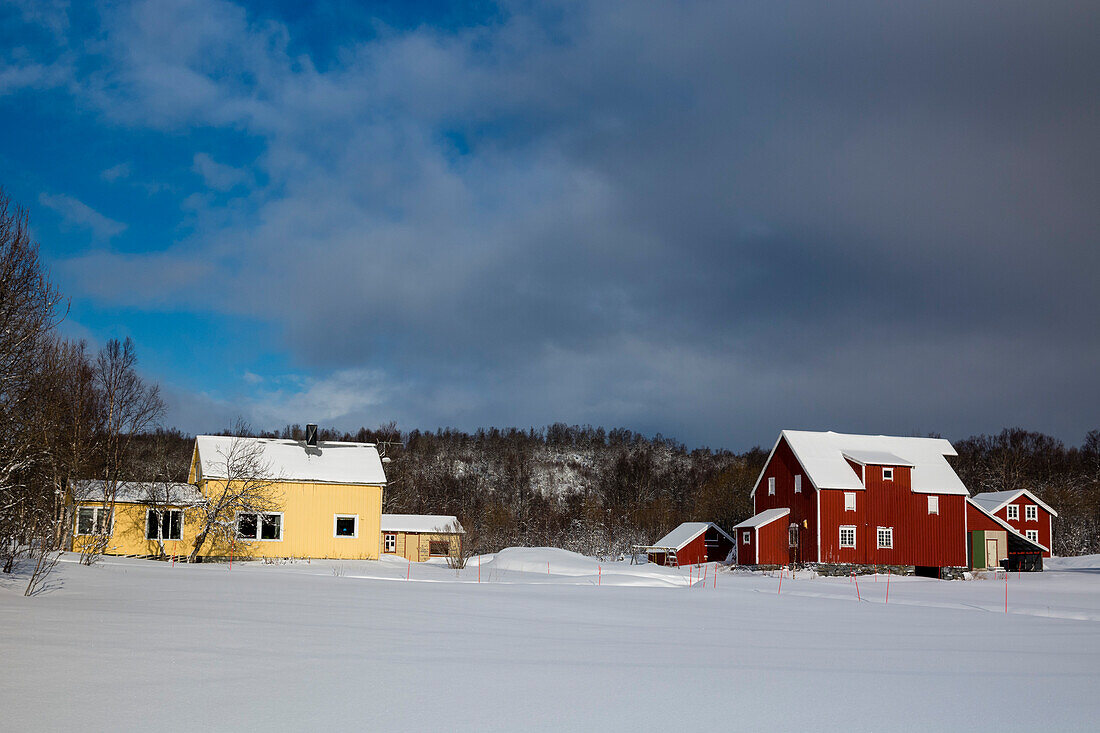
{"type": "Point", "coordinates": [138, 645]}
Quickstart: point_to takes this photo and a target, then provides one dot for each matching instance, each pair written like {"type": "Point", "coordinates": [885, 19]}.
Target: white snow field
{"type": "Point", "coordinates": [578, 645]}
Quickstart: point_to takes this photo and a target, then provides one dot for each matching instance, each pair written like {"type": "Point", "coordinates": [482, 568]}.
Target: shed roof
{"type": "Point", "coordinates": [765, 517]}
{"type": "Point", "coordinates": [329, 462]}
{"type": "Point", "coordinates": [994, 501]}
{"type": "Point", "coordinates": [822, 457]}
{"type": "Point", "coordinates": [426, 523]}
{"type": "Point", "coordinates": [679, 538]}
{"type": "Point", "coordinates": [137, 492]}
{"type": "Point", "coordinates": [875, 458]}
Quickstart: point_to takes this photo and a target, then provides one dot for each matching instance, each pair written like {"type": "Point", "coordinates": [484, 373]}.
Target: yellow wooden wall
{"type": "Point", "coordinates": [308, 509]}
{"type": "Point", "coordinates": [414, 546]}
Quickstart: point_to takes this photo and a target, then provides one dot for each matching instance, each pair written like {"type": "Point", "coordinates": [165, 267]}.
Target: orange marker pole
{"type": "Point", "coordinates": [599, 578]}
{"type": "Point", "coordinates": [1006, 592]}
{"type": "Point", "coordinates": [715, 575]}
{"type": "Point", "coordinates": [409, 571]}
{"type": "Point", "coordinates": [857, 586]}
{"type": "Point", "coordinates": [887, 586]}
{"type": "Point", "coordinates": [780, 584]}
{"type": "Point", "coordinates": [230, 559]}
{"type": "Point", "coordinates": [479, 568]}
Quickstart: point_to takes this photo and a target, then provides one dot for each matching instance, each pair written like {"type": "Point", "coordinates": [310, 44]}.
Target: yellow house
{"type": "Point", "coordinates": [420, 537]}
{"type": "Point", "coordinates": [322, 499]}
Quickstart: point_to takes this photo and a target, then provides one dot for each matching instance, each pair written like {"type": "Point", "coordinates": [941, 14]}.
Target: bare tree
{"type": "Point", "coordinates": [129, 407]}
{"type": "Point", "coordinates": [243, 492]}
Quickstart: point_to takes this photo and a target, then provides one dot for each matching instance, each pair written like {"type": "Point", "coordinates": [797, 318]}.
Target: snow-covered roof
{"type": "Point", "coordinates": [1002, 523]}
{"type": "Point", "coordinates": [678, 538]}
{"type": "Point", "coordinates": [822, 457]}
{"type": "Point", "coordinates": [875, 458]}
{"type": "Point", "coordinates": [329, 462]}
{"type": "Point", "coordinates": [994, 501]}
{"type": "Point", "coordinates": [136, 492]}
{"type": "Point", "coordinates": [425, 523]}
{"type": "Point", "coordinates": [765, 517]}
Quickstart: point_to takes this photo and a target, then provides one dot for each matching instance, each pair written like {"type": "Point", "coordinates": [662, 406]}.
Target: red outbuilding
{"type": "Point", "coordinates": [1024, 512]}
{"type": "Point", "coordinates": [859, 499]}
{"type": "Point", "coordinates": [689, 544]}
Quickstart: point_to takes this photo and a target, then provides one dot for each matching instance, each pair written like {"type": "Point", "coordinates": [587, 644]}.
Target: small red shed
{"type": "Point", "coordinates": [689, 544]}
{"type": "Point", "coordinates": [763, 539]}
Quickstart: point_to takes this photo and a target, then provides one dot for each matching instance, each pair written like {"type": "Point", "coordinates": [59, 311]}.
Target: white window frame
{"type": "Point", "coordinates": [259, 526]}
{"type": "Point", "coordinates": [849, 501]}
{"type": "Point", "coordinates": [160, 523]}
{"type": "Point", "coordinates": [1013, 512]}
{"type": "Point", "coordinates": [386, 537]}
{"type": "Point", "coordinates": [798, 483]}
{"type": "Point", "coordinates": [1032, 534]}
{"type": "Point", "coordinates": [847, 528]}
{"type": "Point", "coordinates": [1031, 513]}
{"type": "Point", "coordinates": [337, 517]}
{"type": "Point", "coordinates": [771, 486]}
{"type": "Point", "coordinates": [887, 474]}
{"type": "Point", "coordinates": [888, 534]}
{"type": "Point", "coordinates": [933, 504]}
{"type": "Point", "coordinates": [95, 521]}
{"type": "Point", "coordinates": [746, 536]}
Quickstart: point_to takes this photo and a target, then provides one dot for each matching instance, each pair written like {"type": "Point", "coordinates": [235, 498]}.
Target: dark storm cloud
{"type": "Point", "coordinates": [710, 219]}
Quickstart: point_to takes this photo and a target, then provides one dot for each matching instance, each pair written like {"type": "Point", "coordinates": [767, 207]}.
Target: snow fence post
{"type": "Point", "coordinates": [1006, 592]}
{"type": "Point", "coordinates": [704, 575]}
{"type": "Point", "coordinates": [230, 558]}
{"type": "Point", "coordinates": [408, 572]}
{"type": "Point", "coordinates": [715, 576]}
{"type": "Point", "coordinates": [780, 584]}
{"type": "Point", "coordinates": [479, 568]}
{"type": "Point", "coordinates": [599, 577]}
{"type": "Point", "coordinates": [854, 578]}
{"type": "Point", "coordinates": [887, 585]}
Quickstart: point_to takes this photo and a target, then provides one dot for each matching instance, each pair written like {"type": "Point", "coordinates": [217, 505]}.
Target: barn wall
{"type": "Point", "coordinates": [783, 466]}
{"type": "Point", "coordinates": [693, 552]}
{"type": "Point", "coordinates": [920, 538]}
{"type": "Point", "coordinates": [773, 541]}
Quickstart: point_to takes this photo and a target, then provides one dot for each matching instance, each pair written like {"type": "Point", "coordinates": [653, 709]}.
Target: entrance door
{"type": "Point", "coordinates": [991, 555]}
{"type": "Point", "coordinates": [792, 543]}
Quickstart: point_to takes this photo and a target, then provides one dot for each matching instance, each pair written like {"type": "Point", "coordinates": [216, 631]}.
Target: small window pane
{"type": "Point", "coordinates": [391, 543]}
{"type": "Point", "coordinates": [848, 536]}
{"type": "Point", "coordinates": [798, 484]}
{"type": "Point", "coordinates": [849, 501]}
{"type": "Point", "coordinates": [151, 522]}
{"type": "Point", "coordinates": [345, 526]}
{"type": "Point", "coordinates": [173, 521]}
{"type": "Point", "coordinates": [771, 485]}
{"type": "Point", "coordinates": [439, 547]}
{"type": "Point", "coordinates": [933, 505]}
{"type": "Point", "coordinates": [887, 474]}
{"type": "Point", "coordinates": [85, 520]}
{"type": "Point", "coordinates": [746, 537]}
{"type": "Point", "coordinates": [246, 526]}
{"type": "Point", "coordinates": [271, 529]}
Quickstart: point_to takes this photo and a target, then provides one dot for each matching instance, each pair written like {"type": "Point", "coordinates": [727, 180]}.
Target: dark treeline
{"type": "Point", "coordinates": [599, 491]}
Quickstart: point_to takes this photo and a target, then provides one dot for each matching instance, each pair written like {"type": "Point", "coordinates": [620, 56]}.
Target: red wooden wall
{"type": "Point", "coordinates": [1021, 524]}
{"type": "Point", "coordinates": [784, 467]}
{"type": "Point", "coordinates": [773, 541]}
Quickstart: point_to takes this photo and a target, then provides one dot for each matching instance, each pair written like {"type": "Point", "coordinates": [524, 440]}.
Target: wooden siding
{"type": "Point", "coordinates": [783, 467]}
{"type": "Point", "coordinates": [128, 533]}
{"type": "Point", "coordinates": [1043, 524]}
{"type": "Point", "coordinates": [416, 546]}
{"type": "Point", "coordinates": [772, 540]}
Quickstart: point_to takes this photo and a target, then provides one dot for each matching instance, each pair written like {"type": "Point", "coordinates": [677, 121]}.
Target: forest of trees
{"type": "Point", "coordinates": [67, 413]}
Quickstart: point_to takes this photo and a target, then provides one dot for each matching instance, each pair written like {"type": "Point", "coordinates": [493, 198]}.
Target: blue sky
{"type": "Point", "coordinates": [711, 220]}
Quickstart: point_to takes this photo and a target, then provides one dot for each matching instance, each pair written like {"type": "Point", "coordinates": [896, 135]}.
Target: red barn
{"type": "Point", "coordinates": [1023, 512]}
{"type": "Point", "coordinates": [861, 499]}
{"type": "Point", "coordinates": [760, 538]}
{"type": "Point", "coordinates": [689, 544]}
{"type": "Point", "coordinates": [994, 543]}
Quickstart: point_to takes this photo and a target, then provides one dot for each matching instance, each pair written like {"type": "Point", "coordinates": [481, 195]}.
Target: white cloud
{"type": "Point", "coordinates": [117, 172]}
{"type": "Point", "coordinates": [78, 213]}
{"type": "Point", "coordinates": [218, 176]}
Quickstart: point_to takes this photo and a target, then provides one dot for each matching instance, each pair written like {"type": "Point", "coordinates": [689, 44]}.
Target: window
{"type": "Point", "coordinates": [439, 547]}
{"type": "Point", "coordinates": [345, 525]}
{"type": "Point", "coordinates": [792, 536]}
{"type": "Point", "coordinates": [391, 543]}
{"type": "Point", "coordinates": [92, 520]}
{"type": "Point", "coordinates": [933, 505]}
{"type": "Point", "coordinates": [887, 474]}
{"type": "Point", "coordinates": [168, 522]}
{"type": "Point", "coordinates": [849, 501]}
{"type": "Point", "coordinates": [1014, 511]}
{"type": "Point", "coordinates": [885, 538]}
{"type": "Point", "coordinates": [848, 536]}
{"type": "Point", "coordinates": [746, 537]}
{"type": "Point", "coordinates": [1031, 513]}
{"type": "Point", "coordinates": [771, 486]}
{"type": "Point", "coordinates": [1033, 535]}
{"type": "Point", "coordinates": [264, 527]}
{"type": "Point", "coordinates": [798, 484]}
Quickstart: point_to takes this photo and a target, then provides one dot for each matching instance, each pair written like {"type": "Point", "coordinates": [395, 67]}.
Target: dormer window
{"type": "Point", "coordinates": [888, 474]}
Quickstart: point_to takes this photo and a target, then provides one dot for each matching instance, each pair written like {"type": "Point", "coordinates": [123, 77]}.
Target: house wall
{"type": "Point", "coordinates": [746, 551]}
{"type": "Point", "coordinates": [920, 538]}
{"type": "Point", "coordinates": [773, 540]}
{"type": "Point", "coordinates": [978, 546]}
{"type": "Point", "coordinates": [783, 466]}
{"type": "Point", "coordinates": [416, 546]}
{"type": "Point", "coordinates": [1043, 524]}
{"type": "Point", "coordinates": [128, 533]}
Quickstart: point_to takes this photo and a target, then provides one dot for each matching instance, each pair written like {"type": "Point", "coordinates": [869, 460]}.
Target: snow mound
{"type": "Point", "coordinates": [1072, 563]}
{"type": "Point", "coordinates": [550, 564]}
